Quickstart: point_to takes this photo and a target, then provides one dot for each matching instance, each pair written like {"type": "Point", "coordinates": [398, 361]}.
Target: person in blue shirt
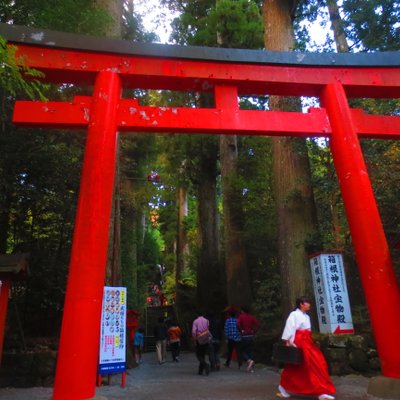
{"type": "Point", "coordinates": [234, 338]}
{"type": "Point", "coordinates": [138, 343]}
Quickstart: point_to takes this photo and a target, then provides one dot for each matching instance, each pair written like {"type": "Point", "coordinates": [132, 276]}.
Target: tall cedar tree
{"type": "Point", "coordinates": [238, 24]}
{"type": "Point", "coordinates": [191, 28]}
{"type": "Point", "coordinates": [293, 190]}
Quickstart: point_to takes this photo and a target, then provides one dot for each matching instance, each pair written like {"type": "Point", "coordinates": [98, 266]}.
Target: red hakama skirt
{"type": "Point", "coordinates": [311, 377]}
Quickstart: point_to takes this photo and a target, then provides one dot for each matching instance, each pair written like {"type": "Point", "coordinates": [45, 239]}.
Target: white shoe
{"type": "Point", "coordinates": [282, 392]}
{"type": "Point", "coordinates": [326, 397]}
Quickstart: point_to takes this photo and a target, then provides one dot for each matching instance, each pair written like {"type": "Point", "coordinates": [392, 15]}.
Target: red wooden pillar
{"type": "Point", "coordinates": [377, 274]}
{"type": "Point", "coordinates": [4, 293]}
{"type": "Point", "coordinates": [80, 333]}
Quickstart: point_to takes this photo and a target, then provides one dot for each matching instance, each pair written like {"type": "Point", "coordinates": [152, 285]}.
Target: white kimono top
{"type": "Point", "coordinates": [296, 320]}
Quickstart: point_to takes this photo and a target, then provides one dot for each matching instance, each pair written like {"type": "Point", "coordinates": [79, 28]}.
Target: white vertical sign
{"type": "Point", "coordinates": [113, 331]}
{"type": "Point", "coordinates": [331, 296]}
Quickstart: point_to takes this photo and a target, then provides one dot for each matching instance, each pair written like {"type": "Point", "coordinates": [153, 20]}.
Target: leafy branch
{"type": "Point", "coordinates": [15, 76]}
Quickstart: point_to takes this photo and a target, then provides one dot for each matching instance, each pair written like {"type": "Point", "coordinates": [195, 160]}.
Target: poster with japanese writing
{"type": "Point", "coordinates": [331, 295]}
{"type": "Point", "coordinates": [113, 331]}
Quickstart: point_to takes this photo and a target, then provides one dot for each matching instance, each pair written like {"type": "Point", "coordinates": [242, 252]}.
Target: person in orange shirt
{"type": "Point", "coordinates": [174, 338]}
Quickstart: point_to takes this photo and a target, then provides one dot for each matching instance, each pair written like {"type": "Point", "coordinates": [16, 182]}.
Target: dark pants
{"type": "Point", "coordinates": [175, 348]}
{"type": "Point", "coordinates": [232, 345]}
{"type": "Point", "coordinates": [214, 355]}
{"type": "Point", "coordinates": [201, 352]}
{"type": "Point", "coordinates": [247, 348]}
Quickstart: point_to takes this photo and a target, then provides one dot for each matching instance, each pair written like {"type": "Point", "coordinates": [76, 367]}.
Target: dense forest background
{"type": "Point", "coordinates": [227, 222]}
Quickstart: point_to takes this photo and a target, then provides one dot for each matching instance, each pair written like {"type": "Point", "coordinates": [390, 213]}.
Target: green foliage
{"type": "Point", "coordinates": [228, 23]}
{"type": "Point", "coordinates": [78, 16]}
{"type": "Point", "coordinates": [383, 161]}
{"type": "Point", "coordinates": [370, 25]}
{"type": "Point", "coordinates": [259, 227]}
{"type": "Point", "coordinates": [267, 304]}
{"type": "Point", "coordinates": [373, 24]}
{"type": "Point", "coordinates": [151, 252]}
{"type": "Point", "coordinates": [327, 199]}
{"type": "Point", "coordinates": [15, 77]}
{"type": "Point", "coordinates": [149, 257]}
{"type": "Point", "coordinates": [235, 24]}
{"type": "Point", "coordinates": [39, 195]}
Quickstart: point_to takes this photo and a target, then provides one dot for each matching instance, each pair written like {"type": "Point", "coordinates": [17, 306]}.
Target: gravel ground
{"type": "Point", "coordinates": [151, 381]}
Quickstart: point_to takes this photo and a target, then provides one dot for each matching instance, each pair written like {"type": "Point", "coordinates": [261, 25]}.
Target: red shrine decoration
{"type": "Point", "coordinates": [110, 65]}
{"type": "Point", "coordinates": [132, 322]}
{"type": "Point", "coordinates": [153, 176]}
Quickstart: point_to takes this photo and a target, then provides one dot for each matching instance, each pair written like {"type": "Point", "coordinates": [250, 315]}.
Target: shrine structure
{"type": "Point", "coordinates": [112, 65]}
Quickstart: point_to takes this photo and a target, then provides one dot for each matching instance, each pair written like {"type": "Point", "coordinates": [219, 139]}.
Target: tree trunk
{"type": "Point", "coordinates": [293, 191]}
{"type": "Point", "coordinates": [182, 250]}
{"type": "Point", "coordinates": [342, 47]}
{"type": "Point", "coordinates": [337, 27]}
{"type": "Point", "coordinates": [114, 8]}
{"type": "Point", "coordinates": [4, 222]}
{"type": "Point", "coordinates": [113, 268]}
{"type": "Point", "coordinates": [336, 222]}
{"type": "Point", "coordinates": [237, 273]}
{"type": "Point", "coordinates": [129, 242]}
{"type": "Point", "coordinates": [209, 277]}
{"type": "Point", "coordinates": [113, 272]}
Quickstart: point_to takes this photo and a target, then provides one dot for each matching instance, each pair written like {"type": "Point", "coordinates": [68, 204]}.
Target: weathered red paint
{"type": "Point", "coordinates": [134, 118]}
{"type": "Point", "coordinates": [370, 245]}
{"type": "Point", "coordinates": [80, 333]}
{"type": "Point", "coordinates": [81, 67]}
{"type": "Point", "coordinates": [76, 381]}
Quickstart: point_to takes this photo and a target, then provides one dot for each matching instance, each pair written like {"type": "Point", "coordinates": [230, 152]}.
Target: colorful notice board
{"type": "Point", "coordinates": [113, 331]}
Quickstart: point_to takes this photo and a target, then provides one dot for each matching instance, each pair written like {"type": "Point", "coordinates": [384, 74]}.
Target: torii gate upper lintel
{"type": "Point", "coordinates": [113, 64]}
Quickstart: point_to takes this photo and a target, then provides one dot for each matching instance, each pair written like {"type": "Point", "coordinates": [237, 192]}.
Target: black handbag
{"type": "Point", "coordinates": [287, 354]}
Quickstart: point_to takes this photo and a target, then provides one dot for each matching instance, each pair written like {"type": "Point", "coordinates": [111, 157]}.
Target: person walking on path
{"type": "Point", "coordinates": [202, 336]}
{"type": "Point", "coordinates": [161, 335]}
{"type": "Point", "coordinates": [310, 378]}
{"type": "Point", "coordinates": [216, 332]}
{"type": "Point", "coordinates": [174, 338]}
{"type": "Point", "coordinates": [248, 326]}
{"type": "Point", "coordinates": [233, 337]}
{"type": "Point", "coordinates": [138, 343]}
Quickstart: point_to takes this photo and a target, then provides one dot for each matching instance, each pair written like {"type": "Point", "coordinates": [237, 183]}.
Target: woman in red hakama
{"type": "Point", "coordinates": [311, 377]}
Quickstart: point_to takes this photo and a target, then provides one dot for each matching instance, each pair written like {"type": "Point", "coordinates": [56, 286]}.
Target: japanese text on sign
{"type": "Point", "coordinates": [331, 296]}
{"type": "Point", "coordinates": [113, 331]}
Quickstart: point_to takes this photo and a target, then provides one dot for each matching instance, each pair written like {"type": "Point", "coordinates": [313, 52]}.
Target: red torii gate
{"type": "Point", "coordinates": [112, 64]}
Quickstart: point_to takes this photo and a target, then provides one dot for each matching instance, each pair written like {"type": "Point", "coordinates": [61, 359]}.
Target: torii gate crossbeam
{"type": "Point", "coordinates": [112, 65]}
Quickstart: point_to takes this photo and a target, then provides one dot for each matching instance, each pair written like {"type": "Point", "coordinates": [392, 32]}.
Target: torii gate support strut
{"type": "Point", "coordinates": [105, 113]}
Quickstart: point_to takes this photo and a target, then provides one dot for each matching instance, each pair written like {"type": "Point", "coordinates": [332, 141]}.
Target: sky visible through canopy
{"type": "Point", "coordinates": [158, 18]}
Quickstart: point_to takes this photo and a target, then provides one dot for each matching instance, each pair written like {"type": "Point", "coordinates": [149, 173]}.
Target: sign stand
{"type": "Point", "coordinates": [113, 335]}
{"type": "Point", "coordinates": [100, 380]}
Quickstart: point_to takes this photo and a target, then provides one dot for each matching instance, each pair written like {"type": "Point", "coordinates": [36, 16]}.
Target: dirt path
{"type": "Point", "coordinates": [180, 381]}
